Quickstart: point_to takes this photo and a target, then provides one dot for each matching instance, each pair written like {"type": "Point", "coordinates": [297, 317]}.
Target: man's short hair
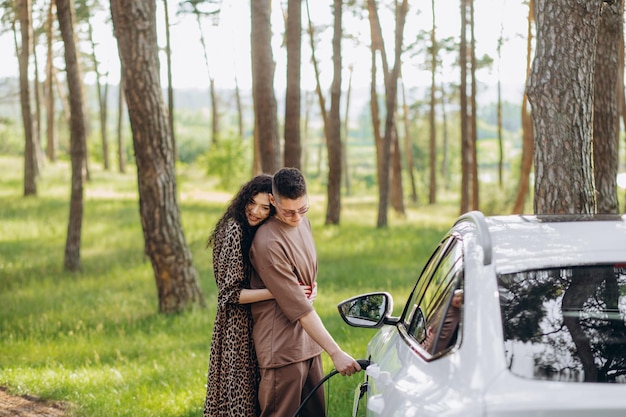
{"type": "Point", "coordinates": [288, 183]}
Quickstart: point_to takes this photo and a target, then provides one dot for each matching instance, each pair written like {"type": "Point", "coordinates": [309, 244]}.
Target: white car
{"type": "Point", "coordinates": [511, 316]}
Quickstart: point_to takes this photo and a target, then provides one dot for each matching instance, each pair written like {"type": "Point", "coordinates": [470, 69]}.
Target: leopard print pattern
{"type": "Point", "coordinates": [232, 381]}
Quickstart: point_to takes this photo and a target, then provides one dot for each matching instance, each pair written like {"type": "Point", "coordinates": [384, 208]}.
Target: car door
{"type": "Point", "coordinates": [415, 362]}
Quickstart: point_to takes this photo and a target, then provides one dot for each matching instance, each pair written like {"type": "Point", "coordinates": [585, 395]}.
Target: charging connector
{"type": "Point", "coordinates": [363, 363]}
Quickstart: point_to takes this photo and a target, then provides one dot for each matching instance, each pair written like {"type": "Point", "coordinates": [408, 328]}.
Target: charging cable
{"type": "Point", "coordinates": [364, 363]}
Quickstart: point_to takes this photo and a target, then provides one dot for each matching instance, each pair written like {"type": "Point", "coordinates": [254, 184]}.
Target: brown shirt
{"type": "Point", "coordinates": [283, 256]}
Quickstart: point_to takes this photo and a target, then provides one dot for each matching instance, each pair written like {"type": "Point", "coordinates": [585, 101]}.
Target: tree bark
{"type": "Point", "coordinates": [333, 137]}
{"type": "Point", "coordinates": [445, 171]}
{"type": "Point", "coordinates": [473, 110]}
{"type": "Point", "coordinates": [101, 94]}
{"type": "Point", "coordinates": [176, 278]}
{"type": "Point", "coordinates": [395, 173]}
{"type": "Point", "coordinates": [408, 145]}
{"type": "Point", "coordinates": [293, 147]}
{"type": "Point", "coordinates": [265, 116]}
{"type": "Point", "coordinates": [30, 160]}
{"type": "Point", "coordinates": [239, 109]}
{"type": "Point", "coordinates": [465, 131]}
{"type": "Point", "coordinates": [560, 91]}
{"type": "Point", "coordinates": [39, 157]}
{"type": "Point", "coordinates": [391, 99]}
{"type": "Point", "coordinates": [606, 106]}
{"type": "Point", "coordinates": [51, 137]}
{"type": "Point", "coordinates": [318, 86]}
{"type": "Point", "coordinates": [527, 125]}
{"type": "Point", "coordinates": [170, 86]}
{"type": "Point", "coordinates": [66, 17]}
{"type": "Point", "coordinates": [121, 158]}
{"type": "Point", "coordinates": [432, 186]}
{"type": "Point", "coordinates": [344, 141]}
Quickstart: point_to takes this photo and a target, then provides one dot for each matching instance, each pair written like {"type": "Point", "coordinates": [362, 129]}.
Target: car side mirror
{"type": "Point", "coordinates": [367, 310]}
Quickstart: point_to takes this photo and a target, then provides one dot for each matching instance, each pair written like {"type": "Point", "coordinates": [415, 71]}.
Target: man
{"type": "Point", "coordinates": [289, 336]}
{"type": "Point", "coordinates": [449, 328]}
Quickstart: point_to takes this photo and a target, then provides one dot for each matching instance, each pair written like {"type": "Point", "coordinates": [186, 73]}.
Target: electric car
{"type": "Point", "coordinates": [511, 316]}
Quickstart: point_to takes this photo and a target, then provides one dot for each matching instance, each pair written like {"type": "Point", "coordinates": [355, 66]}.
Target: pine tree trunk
{"type": "Point", "coordinates": [333, 137]}
{"type": "Point", "coordinates": [176, 278]}
{"type": "Point", "coordinates": [607, 103]}
{"type": "Point", "coordinates": [527, 126]}
{"type": "Point", "coordinates": [66, 17]}
{"type": "Point", "coordinates": [101, 94]}
{"type": "Point", "coordinates": [51, 137]}
{"type": "Point", "coordinates": [121, 157]}
{"type": "Point", "coordinates": [293, 147]}
{"type": "Point", "coordinates": [432, 146]}
{"type": "Point", "coordinates": [560, 91]}
{"type": "Point", "coordinates": [265, 107]}
{"type": "Point", "coordinates": [30, 160]}
{"type": "Point", "coordinates": [465, 130]}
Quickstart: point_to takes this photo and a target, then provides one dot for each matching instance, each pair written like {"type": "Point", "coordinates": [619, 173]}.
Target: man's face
{"type": "Point", "coordinates": [457, 299]}
{"type": "Point", "coordinates": [289, 211]}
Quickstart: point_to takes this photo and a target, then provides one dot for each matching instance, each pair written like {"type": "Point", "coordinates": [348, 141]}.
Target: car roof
{"type": "Point", "coordinates": [516, 243]}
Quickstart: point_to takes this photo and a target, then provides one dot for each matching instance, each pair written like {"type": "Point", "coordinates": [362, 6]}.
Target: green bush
{"type": "Point", "coordinates": [228, 162]}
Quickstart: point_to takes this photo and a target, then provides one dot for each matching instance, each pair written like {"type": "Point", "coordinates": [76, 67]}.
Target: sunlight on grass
{"type": "Point", "coordinates": [96, 339]}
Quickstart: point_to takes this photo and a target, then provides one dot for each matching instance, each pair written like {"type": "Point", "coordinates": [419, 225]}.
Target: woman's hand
{"type": "Point", "coordinates": [309, 291]}
{"type": "Point", "coordinates": [313, 295]}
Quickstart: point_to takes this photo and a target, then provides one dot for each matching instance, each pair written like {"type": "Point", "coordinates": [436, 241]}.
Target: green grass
{"type": "Point", "coordinates": [96, 340]}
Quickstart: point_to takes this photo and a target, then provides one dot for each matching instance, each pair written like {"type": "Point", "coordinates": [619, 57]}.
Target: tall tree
{"type": "Point", "coordinates": [389, 140]}
{"type": "Point", "coordinates": [432, 188]}
{"type": "Point", "coordinates": [67, 19]}
{"type": "Point", "coordinates": [527, 124]}
{"type": "Point", "coordinates": [176, 278]}
{"type": "Point", "coordinates": [408, 144]}
{"type": "Point", "coordinates": [333, 134]}
{"type": "Point", "coordinates": [102, 90]}
{"type": "Point", "coordinates": [121, 158]}
{"type": "Point", "coordinates": [391, 102]}
{"type": "Point", "coordinates": [293, 147]}
{"type": "Point", "coordinates": [84, 11]}
{"type": "Point", "coordinates": [473, 108]}
{"type": "Point", "coordinates": [51, 135]}
{"type": "Point", "coordinates": [499, 109]}
{"type": "Point", "coordinates": [466, 154]}
{"type": "Point", "coordinates": [607, 105]}
{"type": "Point", "coordinates": [560, 91]}
{"type": "Point", "coordinates": [344, 135]}
{"type": "Point", "coordinates": [37, 89]}
{"type": "Point", "coordinates": [265, 116]}
{"type": "Point", "coordinates": [170, 86]}
{"type": "Point", "coordinates": [318, 86]}
{"type": "Point", "coordinates": [30, 158]}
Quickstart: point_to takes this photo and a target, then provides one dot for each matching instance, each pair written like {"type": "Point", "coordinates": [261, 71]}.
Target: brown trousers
{"type": "Point", "coordinates": [281, 390]}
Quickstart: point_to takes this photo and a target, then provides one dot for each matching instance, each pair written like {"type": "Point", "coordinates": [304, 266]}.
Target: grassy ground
{"type": "Point", "coordinates": [95, 338]}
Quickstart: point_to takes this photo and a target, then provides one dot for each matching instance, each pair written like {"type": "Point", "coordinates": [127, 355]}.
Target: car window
{"type": "Point", "coordinates": [424, 280]}
{"type": "Point", "coordinates": [432, 313]}
{"type": "Point", "coordinates": [444, 323]}
{"type": "Point", "coordinates": [566, 324]}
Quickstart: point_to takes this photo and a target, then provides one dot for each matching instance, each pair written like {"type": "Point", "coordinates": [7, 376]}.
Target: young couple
{"type": "Point", "coordinates": [265, 266]}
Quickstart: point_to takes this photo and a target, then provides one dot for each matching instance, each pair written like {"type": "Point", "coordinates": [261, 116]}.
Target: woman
{"type": "Point", "coordinates": [233, 370]}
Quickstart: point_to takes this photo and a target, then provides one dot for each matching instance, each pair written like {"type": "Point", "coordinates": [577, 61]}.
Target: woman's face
{"type": "Point", "coordinates": [258, 209]}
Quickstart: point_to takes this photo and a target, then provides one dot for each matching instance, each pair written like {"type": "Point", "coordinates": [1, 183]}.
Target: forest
{"type": "Point", "coordinates": [557, 150]}
{"type": "Point", "coordinates": [430, 123]}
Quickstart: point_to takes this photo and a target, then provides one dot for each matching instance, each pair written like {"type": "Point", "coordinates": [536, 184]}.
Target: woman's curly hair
{"type": "Point", "coordinates": [236, 210]}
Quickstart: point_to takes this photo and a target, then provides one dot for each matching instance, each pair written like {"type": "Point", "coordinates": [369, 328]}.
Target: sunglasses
{"type": "Point", "coordinates": [290, 213]}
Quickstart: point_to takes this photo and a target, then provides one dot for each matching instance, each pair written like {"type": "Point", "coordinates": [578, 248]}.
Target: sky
{"type": "Point", "coordinates": [229, 40]}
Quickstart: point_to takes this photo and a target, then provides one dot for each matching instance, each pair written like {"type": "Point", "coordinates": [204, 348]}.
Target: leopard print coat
{"type": "Point", "coordinates": [232, 381]}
